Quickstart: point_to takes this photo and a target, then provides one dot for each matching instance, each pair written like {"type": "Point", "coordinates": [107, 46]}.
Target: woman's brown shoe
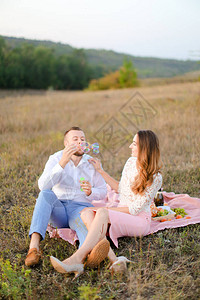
{"type": "Point", "coordinates": [33, 257]}
{"type": "Point", "coordinates": [98, 254]}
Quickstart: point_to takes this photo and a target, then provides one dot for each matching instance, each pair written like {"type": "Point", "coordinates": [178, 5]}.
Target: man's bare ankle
{"type": "Point", "coordinates": [34, 246]}
{"type": "Point", "coordinates": [35, 241]}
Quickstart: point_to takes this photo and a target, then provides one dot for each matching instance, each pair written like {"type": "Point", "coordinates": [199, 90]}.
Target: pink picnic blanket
{"type": "Point", "coordinates": [190, 204]}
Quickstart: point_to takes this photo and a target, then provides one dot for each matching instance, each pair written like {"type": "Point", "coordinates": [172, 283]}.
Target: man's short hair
{"type": "Point", "coordinates": [72, 128]}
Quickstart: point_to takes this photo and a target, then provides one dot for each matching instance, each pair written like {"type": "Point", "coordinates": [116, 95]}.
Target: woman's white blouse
{"type": "Point", "coordinates": [136, 203]}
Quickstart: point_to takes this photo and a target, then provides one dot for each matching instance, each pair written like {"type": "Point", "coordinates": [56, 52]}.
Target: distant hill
{"type": "Point", "coordinates": [107, 61]}
{"type": "Point", "coordinates": [186, 77]}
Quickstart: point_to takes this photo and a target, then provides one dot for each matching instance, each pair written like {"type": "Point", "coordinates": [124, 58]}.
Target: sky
{"type": "Point", "coordinates": [153, 28]}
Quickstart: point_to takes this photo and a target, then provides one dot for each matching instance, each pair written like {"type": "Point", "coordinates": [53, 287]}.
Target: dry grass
{"type": "Point", "coordinates": [166, 264]}
{"type": "Point", "coordinates": [187, 77]}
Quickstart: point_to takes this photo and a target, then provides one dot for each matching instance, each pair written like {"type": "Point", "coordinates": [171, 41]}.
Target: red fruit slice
{"type": "Point", "coordinates": [178, 217]}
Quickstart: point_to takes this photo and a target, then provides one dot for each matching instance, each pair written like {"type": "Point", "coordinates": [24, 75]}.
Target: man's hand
{"type": "Point", "coordinates": [86, 187]}
{"type": "Point", "coordinates": [68, 151]}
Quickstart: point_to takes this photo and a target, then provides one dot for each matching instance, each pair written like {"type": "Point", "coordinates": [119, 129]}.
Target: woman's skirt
{"type": "Point", "coordinates": [123, 224]}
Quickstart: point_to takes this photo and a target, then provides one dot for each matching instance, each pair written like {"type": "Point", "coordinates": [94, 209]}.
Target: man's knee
{"type": "Point", "coordinates": [47, 195]}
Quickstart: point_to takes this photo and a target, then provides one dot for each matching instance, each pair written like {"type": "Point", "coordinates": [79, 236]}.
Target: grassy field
{"type": "Point", "coordinates": [166, 264]}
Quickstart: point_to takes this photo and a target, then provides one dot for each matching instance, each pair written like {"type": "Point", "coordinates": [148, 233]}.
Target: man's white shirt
{"type": "Point", "coordinates": [65, 182]}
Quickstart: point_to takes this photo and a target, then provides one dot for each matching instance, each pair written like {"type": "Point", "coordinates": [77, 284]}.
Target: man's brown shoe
{"type": "Point", "coordinates": [32, 257]}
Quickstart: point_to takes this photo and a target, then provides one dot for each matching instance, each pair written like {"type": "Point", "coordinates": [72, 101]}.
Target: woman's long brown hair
{"type": "Point", "coordinates": [147, 161]}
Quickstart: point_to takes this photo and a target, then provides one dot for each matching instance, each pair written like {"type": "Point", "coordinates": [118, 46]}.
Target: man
{"type": "Point", "coordinates": [62, 196]}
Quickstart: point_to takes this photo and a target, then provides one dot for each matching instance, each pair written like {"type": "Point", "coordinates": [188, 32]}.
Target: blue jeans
{"type": "Point", "coordinates": [58, 213]}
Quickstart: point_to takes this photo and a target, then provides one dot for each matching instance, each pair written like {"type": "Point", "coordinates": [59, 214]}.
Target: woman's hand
{"type": "Point", "coordinates": [123, 209]}
{"type": "Point", "coordinates": [114, 184]}
{"type": "Point", "coordinates": [96, 164]}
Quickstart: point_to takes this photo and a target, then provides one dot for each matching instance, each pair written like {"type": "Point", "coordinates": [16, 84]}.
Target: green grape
{"type": "Point", "coordinates": [159, 213]}
{"type": "Point", "coordinates": [180, 211]}
{"type": "Point", "coordinates": [165, 212]}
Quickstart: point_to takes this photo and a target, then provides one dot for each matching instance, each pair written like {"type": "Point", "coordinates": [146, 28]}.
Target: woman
{"type": "Point", "coordinates": [138, 186]}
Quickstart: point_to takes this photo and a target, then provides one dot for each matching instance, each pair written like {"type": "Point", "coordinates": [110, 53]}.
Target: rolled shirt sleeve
{"type": "Point", "coordinates": [51, 174]}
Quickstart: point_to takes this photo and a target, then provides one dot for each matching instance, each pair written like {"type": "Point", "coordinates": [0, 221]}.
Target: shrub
{"type": "Point", "coordinates": [125, 77]}
{"type": "Point", "coordinates": [14, 283]}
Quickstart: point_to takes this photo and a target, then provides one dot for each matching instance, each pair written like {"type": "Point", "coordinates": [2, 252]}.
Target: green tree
{"type": "Point", "coordinates": [37, 67]}
{"type": "Point", "coordinates": [14, 70]}
{"type": "Point", "coordinates": [43, 68]}
{"type": "Point", "coordinates": [80, 70]}
{"type": "Point", "coordinates": [27, 60]}
{"type": "Point", "coordinates": [127, 75]}
{"type": "Point", "coordinates": [3, 50]}
{"type": "Point", "coordinates": [63, 73]}
{"type": "Point", "coordinates": [72, 71]}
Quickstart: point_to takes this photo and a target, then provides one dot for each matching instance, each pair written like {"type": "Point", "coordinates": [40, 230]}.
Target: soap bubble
{"type": "Point", "coordinates": [86, 147]}
{"type": "Point", "coordinates": [95, 148]}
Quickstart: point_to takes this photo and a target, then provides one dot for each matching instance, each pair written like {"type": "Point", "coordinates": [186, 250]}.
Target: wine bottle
{"type": "Point", "coordinates": [158, 199]}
